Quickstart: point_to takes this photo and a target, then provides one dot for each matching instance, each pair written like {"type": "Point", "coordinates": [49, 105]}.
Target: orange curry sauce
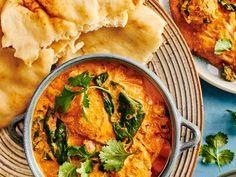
{"type": "Point", "coordinates": [151, 143]}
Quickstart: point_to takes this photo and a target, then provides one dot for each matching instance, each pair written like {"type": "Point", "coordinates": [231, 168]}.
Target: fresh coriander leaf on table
{"type": "Point", "coordinates": [210, 151]}
{"type": "Point", "coordinates": [113, 155]}
{"type": "Point", "coordinates": [233, 113]}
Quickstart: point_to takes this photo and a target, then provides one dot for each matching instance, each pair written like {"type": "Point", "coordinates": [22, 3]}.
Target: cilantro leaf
{"type": "Point", "coordinates": [85, 104]}
{"type": "Point", "coordinates": [67, 169]}
{"type": "Point", "coordinates": [234, 115]}
{"type": "Point", "coordinates": [82, 80]}
{"type": "Point", "coordinates": [81, 152]}
{"type": "Point", "coordinates": [218, 140]}
{"type": "Point", "coordinates": [222, 45]}
{"type": "Point", "coordinates": [64, 100]}
{"type": "Point", "coordinates": [113, 155]}
{"type": "Point", "coordinates": [232, 112]}
{"type": "Point", "coordinates": [85, 168]}
{"type": "Point", "coordinates": [210, 151]}
{"type": "Point", "coordinates": [208, 154]}
{"type": "Point", "coordinates": [226, 157]}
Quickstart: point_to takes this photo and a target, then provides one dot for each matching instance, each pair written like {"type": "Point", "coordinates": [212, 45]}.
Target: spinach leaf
{"type": "Point", "coordinates": [115, 85]}
{"type": "Point", "coordinates": [121, 132]}
{"type": "Point", "coordinates": [132, 115]}
{"type": "Point", "coordinates": [107, 98]}
{"type": "Point", "coordinates": [57, 140]}
{"type": "Point", "coordinates": [46, 128]}
{"type": "Point", "coordinates": [82, 80]}
{"type": "Point", "coordinates": [60, 141]}
{"type": "Point", "coordinates": [228, 6]}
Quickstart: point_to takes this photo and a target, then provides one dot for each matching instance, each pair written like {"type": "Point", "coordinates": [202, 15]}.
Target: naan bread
{"type": "Point", "coordinates": [137, 40]}
{"type": "Point", "coordinates": [91, 14]}
{"type": "Point", "coordinates": [29, 28]}
{"type": "Point", "coordinates": [18, 82]}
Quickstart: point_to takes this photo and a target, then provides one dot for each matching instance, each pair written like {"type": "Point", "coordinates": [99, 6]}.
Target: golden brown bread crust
{"type": "Point", "coordinates": [202, 37]}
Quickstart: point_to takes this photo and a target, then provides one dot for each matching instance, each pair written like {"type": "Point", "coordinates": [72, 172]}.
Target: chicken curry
{"type": "Point", "coordinates": [101, 119]}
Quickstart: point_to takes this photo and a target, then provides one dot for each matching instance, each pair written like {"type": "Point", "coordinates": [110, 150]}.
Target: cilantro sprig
{"type": "Point", "coordinates": [67, 169]}
{"type": "Point", "coordinates": [113, 155]}
{"type": "Point", "coordinates": [85, 168]}
{"type": "Point", "coordinates": [63, 101]}
{"type": "Point", "coordinates": [210, 151]}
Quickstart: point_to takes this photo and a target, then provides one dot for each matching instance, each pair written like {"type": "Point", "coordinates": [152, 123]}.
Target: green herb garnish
{"type": "Point", "coordinates": [233, 113]}
{"type": "Point", "coordinates": [64, 100]}
{"type": "Point", "coordinates": [132, 115]}
{"type": "Point", "coordinates": [222, 45]}
{"type": "Point", "coordinates": [56, 139]}
{"type": "Point", "coordinates": [210, 151]}
{"type": "Point", "coordinates": [113, 155]}
{"type": "Point", "coordinates": [85, 168]}
{"type": "Point", "coordinates": [228, 73]}
{"type": "Point", "coordinates": [47, 157]}
{"type": "Point", "coordinates": [107, 98]}
{"type": "Point", "coordinates": [60, 142]}
{"type": "Point", "coordinates": [228, 6]}
{"type": "Point", "coordinates": [67, 169]}
{"type": "Point", "coordinates": [81, 152]}
{"type": "Point", "coordinates": [82, 80]}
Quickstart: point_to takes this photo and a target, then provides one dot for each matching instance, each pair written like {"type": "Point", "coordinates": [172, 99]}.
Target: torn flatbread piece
{"type": "Point", "coordinates": [90, 15]}
{"type": "Point", "coordinates": [30, 30]}
{"type": "Point", "coordinates": [30, 26]}
{"type": "Point", "coordinates": [137, 40]}
{"type": "Point", "coordinates": [18, 82]}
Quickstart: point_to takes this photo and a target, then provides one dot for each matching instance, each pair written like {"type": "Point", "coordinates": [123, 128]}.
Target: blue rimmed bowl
{"type": "Point", "coordinates": [176, 120]}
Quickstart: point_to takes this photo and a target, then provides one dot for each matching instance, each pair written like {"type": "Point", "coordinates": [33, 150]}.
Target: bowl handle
{"type": "Point", "coordinates": [196, 135]}
{"type": "Point", "coordinates": [15, 136]}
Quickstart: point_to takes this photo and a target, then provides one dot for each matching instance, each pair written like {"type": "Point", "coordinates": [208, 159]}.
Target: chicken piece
{"type": "Point", "coordinates": [137, 165]}
{"type": "Point", "coordinates": [97, 127]}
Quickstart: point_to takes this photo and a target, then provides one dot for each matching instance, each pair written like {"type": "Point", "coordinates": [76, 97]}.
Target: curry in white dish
{"type": "Point", "coordinates": [101, 119]}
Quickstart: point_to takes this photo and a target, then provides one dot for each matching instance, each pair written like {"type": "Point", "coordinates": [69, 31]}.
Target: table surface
{"type": "Point", "coordinates": [216, 119]}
